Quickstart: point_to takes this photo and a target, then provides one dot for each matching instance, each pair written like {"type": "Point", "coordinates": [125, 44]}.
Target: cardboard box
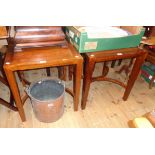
{"type": "Point", "coordinates": [147, 73]}
{"type": "Point", "coordinates": [83, 43]}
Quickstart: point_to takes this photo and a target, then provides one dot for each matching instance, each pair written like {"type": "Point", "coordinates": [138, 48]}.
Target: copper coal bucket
{"type": "Point", "coordinates": [47, 98]}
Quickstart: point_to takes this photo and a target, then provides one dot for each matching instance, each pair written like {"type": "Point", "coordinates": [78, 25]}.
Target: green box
{"type": "Point", "coordinates": [147, 69]}
{"type": "Point", "coordinates": [84, 44]}
{"type": "Point", "coordinates": [147, 80]}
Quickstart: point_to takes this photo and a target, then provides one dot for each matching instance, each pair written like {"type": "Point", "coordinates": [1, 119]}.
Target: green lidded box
{"type": "Point", "coordinates": [84, 44]}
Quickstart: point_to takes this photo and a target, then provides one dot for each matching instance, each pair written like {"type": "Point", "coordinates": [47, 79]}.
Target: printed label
{"type": "Point", "coordinates": [90, 45]}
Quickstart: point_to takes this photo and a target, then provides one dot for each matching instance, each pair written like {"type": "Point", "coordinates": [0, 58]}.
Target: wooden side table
{"type": "Point", "coordinates": [36, 58]}
{"type": "Point", "coordinates": [102, 56]}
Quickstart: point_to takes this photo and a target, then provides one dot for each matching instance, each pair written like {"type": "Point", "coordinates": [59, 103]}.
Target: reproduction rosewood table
{"type": "Point", "coordinates": [102, 56]}
{"type": "Point", "coordinates": [36, 58]}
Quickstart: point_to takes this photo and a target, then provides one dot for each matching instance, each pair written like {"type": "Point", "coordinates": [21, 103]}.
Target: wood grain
{"type": "Point", "coordinates": [3, 32]}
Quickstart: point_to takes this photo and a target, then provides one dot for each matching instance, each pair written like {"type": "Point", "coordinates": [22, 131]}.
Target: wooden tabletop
{"type": "Point", "coordinates": [112, 54]}
{"type": "Point", "coordinates": [41, 57]}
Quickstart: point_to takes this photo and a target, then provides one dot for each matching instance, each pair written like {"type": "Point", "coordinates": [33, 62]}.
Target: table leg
{"type": "Point", "coordinates": [88, 71]}
{"type": "Point", "coordinates": [105, 69]}
{"type": "Point", "coordinates": [21, 78]}
{"type": "Point", "coordinates": [134, 74]}
{"type": "Point", "coordinates": [77, 83]}
{"type": "Point", "coordinates": [70, 72]}
{"type": "Point", "coordinates": [48, 71]}
{"type": "Point", "coordinates": [113, 63]}
{"type": "Point", "coordinates": [15, 91]}
{"type": "Point", "coordinates": [119, 62]}
{"type": "Point", "coordinates": [62, 72]}
{"type": "Point", "coordinates": [3, 102]}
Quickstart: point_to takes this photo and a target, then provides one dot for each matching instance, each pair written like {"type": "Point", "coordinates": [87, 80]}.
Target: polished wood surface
{"type": "Point", "coordinates": [102, 56]}
{"type": "Point", "coordinates": [21, 37]}
{"type": "Point", "coordinates": [62, 43]}
{"type": "Point", "coordinates": [38, 36]}
{"type": "Point", "coordinates": [36, 28]}
{"type": "Point", "coordinates": [40, 58]}
{"type": "Point", "coordinates": [3, 32]}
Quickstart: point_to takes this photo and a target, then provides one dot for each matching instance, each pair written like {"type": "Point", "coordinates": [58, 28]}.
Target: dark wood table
{"type": "Point", "coordinates": [102, 56]}
{"type": "Point", "coordinates": [36, 58]}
